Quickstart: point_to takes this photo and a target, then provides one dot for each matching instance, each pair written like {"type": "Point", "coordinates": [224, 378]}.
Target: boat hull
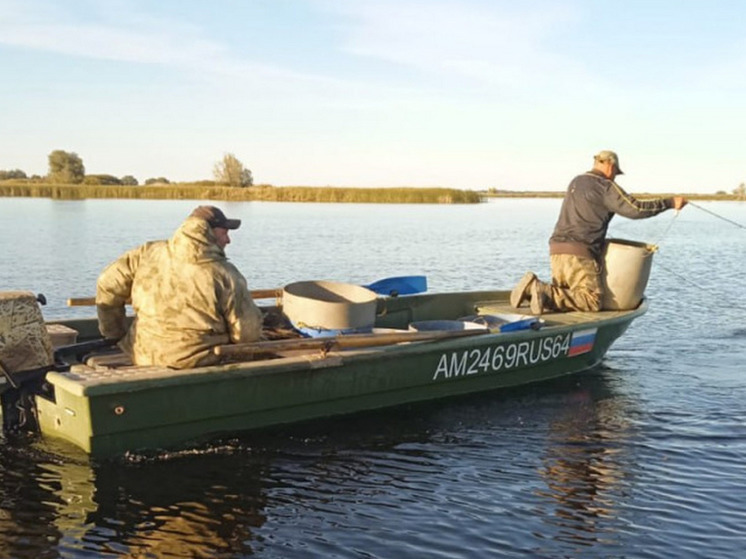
{"type": "Point", "coordinates": [111, 411]}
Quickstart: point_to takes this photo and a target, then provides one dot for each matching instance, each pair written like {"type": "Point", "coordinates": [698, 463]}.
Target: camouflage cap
{"type": "Point", "coordinates": [613, 158]}
{"type": "Point", "coordinates": [215, 217]}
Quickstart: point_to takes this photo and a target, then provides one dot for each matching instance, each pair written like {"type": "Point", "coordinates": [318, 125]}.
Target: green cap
{"type": "Point", "coordinates": [215, 217]}
{"type": "Point", "coordinates": [607, 155]}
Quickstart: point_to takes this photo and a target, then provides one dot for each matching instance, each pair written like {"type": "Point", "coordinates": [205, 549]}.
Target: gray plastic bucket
{"type": "Point", "coordinates": [329, 305]}
{"type": "Point", "coordinates": [625, 273]}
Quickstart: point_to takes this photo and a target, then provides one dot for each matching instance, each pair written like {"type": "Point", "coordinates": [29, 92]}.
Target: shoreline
{"type": "Point", "coordinates": [262, 193]}
{"type": "Point", "coordinates": [723, 197]}
{"type": "Point", "coordinates": [267, 193]}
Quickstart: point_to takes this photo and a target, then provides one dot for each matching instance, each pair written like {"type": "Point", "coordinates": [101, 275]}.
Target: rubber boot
{"type": "Point", "coordinates": [539, 296]}
{"type": "Point", "coordinates": [520, 292]}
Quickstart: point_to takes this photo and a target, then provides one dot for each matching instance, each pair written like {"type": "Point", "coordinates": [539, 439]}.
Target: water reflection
{"type": "Point", "coordinates": [586, 464]}
{"type": "Point", "coordinates": [156, 508]}
{"type": "Point", "coordinates": [365, 478]}
{"type": "Point", "coordinates": [204, 502]}
{"type": "Point", "coordinates": [177, 507]}
{"type": "Point", "coordinates": [27, 514]}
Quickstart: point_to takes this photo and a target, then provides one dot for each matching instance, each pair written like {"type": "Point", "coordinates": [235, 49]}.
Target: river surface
{"type": "Point", "coordinates": [643, 457]}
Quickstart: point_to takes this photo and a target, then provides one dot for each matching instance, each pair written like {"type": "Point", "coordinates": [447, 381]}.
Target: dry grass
{"type": "Point", "coordinates": [207, 191]}
{"type": "Point", "coordinates": [183, 191]}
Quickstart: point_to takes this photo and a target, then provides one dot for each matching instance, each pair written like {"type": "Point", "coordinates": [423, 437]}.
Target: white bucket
{"type": "Point", "coordinates": [328, 305]}
{"type": "Point", "coordinates": [625, 273]}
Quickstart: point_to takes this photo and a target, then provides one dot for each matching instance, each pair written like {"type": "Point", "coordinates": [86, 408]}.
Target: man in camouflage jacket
{"type": "Point", "coordinates": [186, 296]}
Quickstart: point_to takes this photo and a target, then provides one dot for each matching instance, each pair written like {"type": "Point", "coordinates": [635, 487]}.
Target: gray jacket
{"type": "Point", "coordinates": [590, 203]}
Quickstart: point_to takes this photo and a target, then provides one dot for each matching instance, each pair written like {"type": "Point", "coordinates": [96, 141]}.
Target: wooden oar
{"type": "Point", "coordinates": [255, 294]}
{"type": "Point", "coordinates": [82, 302]}
{"type": "Point", "coordinates": [401, 285]}
{"type": "Point", "coordinates": [341, 342]}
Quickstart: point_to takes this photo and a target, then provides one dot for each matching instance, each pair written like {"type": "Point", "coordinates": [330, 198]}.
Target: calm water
{"type": "Point", "coordinates": [644, 457]}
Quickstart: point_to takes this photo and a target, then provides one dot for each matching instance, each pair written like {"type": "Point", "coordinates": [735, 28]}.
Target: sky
{"type": "Point", "coordinates": [471, 94]}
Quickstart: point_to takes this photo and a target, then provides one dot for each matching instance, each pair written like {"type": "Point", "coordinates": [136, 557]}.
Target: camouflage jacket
{"type": "Point", "coordinates": [186, 296]}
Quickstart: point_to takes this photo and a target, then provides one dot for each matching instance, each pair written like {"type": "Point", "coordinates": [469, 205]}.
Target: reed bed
{"type": "Point", "coordinates": [265, 193]}
{"type": "Point", "coordinates": [205, 190]}
{"type": "Point", "coordinates": [641, 195]}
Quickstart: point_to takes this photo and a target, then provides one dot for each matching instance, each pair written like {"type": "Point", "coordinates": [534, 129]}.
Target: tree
{"type": "Point", "coordinates": [129, 180]}
{"type": "Point", "coordinates": [65, 168]}
{"type": "Point", "coordinates": [102, 179]}
{"type": "Point", "coordinates": [231, 171]}
{"type": "Point", "coordinates": [740, 192]}
{"type": "Point", "coordinates": [14, 174]}
{"type": "Point", "coordinates": [159, 180]}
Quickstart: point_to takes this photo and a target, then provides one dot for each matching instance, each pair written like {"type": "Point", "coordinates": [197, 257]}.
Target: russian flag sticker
{"type": "Point", "coordinates": [582, 342]}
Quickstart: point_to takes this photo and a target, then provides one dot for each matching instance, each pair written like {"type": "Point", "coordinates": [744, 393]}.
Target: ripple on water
{"type": "Point", "coordinates": [643, 458]}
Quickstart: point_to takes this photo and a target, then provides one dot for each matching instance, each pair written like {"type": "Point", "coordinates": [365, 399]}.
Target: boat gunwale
{"type": "Point", "coordinates": [104, 380]}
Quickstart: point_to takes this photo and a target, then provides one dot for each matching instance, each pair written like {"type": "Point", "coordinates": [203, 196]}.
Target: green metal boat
{"type": "Point", "coordinates": [106, 406]}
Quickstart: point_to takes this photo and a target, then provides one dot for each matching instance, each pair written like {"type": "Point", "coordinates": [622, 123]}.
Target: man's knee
{"type": "Point", "coordinates": [592, 301]}
{"type": "Point", "coordinates": [579, 300]}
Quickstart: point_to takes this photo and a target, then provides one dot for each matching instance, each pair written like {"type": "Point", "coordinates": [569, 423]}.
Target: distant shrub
{"type": "Point", "coordinates": [14, 174]}
{"type": "Point", "coordinates": [65, 168]}
{"type": "Point", "coordinates": [230, 171]}
{"type": "Point", "coordinates": [159, 180]}
{"type": "Point", "coordinates": [102, 179]}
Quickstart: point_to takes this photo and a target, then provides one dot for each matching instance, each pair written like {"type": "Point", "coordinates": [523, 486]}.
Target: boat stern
{"type": "Point", "coordinates": [68, 416]}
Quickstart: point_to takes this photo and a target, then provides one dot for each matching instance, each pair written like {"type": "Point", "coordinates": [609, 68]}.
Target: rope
{"type": "Point", "coordinates": [623, 225]}
{"type": "Point", "coordinates": [726, 309]}
{"type": "Point", "coordinates": [716, 215]}
{"type": "Point", "coordinates": [665, 232]}
{"type": "Point", "coordinates": [730, 309]}
{"type": "Point", "coordinates": [678, 275]}
{"type": "Point", "coordinates": [673, 220]}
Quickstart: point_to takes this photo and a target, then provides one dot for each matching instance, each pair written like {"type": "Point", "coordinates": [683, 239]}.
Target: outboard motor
{"type": "Point", "coordinates": [26, 355]}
